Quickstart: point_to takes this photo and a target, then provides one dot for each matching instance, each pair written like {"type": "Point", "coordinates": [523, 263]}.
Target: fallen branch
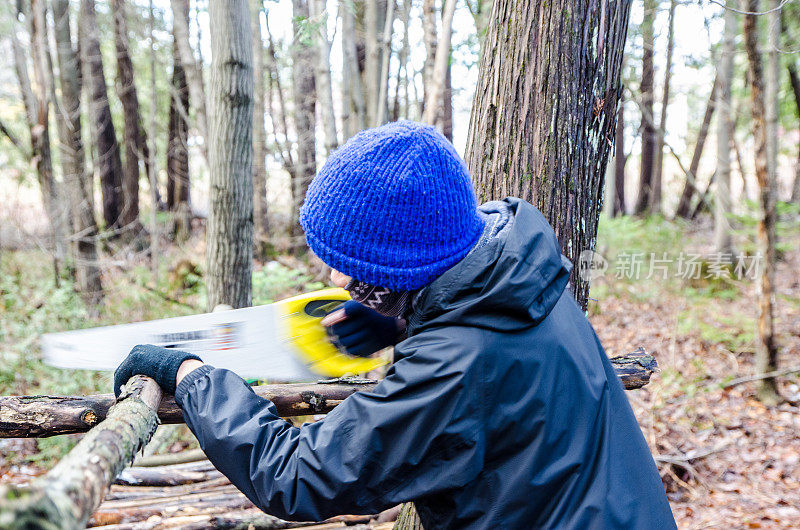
{"type": "Point", "coordinates": [41, 416]}
{"type": "Point", "coordinates": [184, 457]}
{"type": "Point", "coordinates": [167, 475]}
{"type": "Point", "coordinates": [67, 495]}
{"type": "Point", "coordinates": [759, 377]}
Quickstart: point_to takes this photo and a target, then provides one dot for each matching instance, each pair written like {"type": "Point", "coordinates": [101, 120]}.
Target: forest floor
{"type": "Point", "coordinates": [726, 460]}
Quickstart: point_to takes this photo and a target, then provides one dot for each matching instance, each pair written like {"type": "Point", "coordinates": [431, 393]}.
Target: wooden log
{"type": "Point", "coordinates": [209, 503]}
{"type": "Point", "coordinates": [165, 476]}
{"type": "Point", "coordinates": [251, 518]}
{"type": "Point", "coordinates": [42, 416]}
{"type": "Point", "coordinates": [65, 497]}
{"type": "Point", "coordinates": [119, 492]}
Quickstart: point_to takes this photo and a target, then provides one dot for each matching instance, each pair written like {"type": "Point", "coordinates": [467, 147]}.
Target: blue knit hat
{"type": "Point", "coordinates": [393, 207]}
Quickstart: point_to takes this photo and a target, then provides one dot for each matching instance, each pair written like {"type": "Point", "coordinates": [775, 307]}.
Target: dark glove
{"type": "Point", "coordinates": [153, 361]}
{"type": "Point", "coordinates": [364, 331]}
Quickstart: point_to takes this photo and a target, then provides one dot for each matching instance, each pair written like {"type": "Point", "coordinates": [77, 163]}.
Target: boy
{"type": "Point", "coordinates": [501, 409]}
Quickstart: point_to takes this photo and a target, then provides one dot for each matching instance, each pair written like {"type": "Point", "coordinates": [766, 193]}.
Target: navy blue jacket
{"type": "Point", "coordinates": [500, 411]}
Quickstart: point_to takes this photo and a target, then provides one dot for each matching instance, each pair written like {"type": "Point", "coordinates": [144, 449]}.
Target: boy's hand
{"type": "Point", "coordinates": [362, 331]}
{"type": "Point", "coordinates": [159, 363]}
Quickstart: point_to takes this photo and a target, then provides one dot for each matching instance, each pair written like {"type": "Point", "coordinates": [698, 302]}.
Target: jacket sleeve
{"type": "Point", "coordinates": [418, 433]}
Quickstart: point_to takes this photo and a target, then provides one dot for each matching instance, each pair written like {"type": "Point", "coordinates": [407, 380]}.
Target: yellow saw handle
{"type": "Point", "coordinates": [301, 316]}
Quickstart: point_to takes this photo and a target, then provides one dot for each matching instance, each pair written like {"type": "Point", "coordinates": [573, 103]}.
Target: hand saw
{"type": "Point", "coordinates": [283, 341]}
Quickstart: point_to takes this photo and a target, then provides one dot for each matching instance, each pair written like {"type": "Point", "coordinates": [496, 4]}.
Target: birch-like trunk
{"type": "Point", "coordinates": [354, 116]}
{"type": "Point", "coordinates": [192, 69]}
{"type": "Point", "coordinates": [766, 348]}
{"type": "Point", "coordinates": [429, 39]}
{"type": "Point", "coordinates": [434, 96]}
{"type": "Point", "coordinates": [545, 110]}
{"type": "Point", "coordinates": [229, 238]}
{"type": "Point", "coordinates": [76, 179]}
{"type": "Point", "coordinates": [36, 99]}
{"type": "Point", "coordinates": [386, 54]}
{"type": "Point", "coordinates": [722, 208]}
{"type": "Point", "coordinates": [324, 85]}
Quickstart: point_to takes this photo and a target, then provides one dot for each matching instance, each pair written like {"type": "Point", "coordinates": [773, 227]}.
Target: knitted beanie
{"type": "Point", "coordinates": [392, 207]}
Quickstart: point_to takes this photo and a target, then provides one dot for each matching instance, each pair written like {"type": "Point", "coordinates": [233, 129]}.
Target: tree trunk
{"type": "Point", "coordinates": [230, 221]}
{"type": "Point", "coordinates": [386, 54]}
{"type": "Point", "coordinates": [766, 347]}
{"type": "Point", "coordinates": [192, 69]}
{"type": "Point", "coordinates": [304, 95]}
{"type": "Point", "coordinates": [658, 168]}
{"type": "Point", "coordinates": [152, 174]}
{"type": "Point", "coordinates": [722, 209]}
{"type": "Point", "coordinates": [434, 96]}
{"type": "Point", "coordinates": [134, 134]}
{"type": "Point", "coordinates": [323, 73]}
{"type": "Point", "coordinates": [41, 416]}
{"type": "Point", "coordinates": [260, 219]}
{"type": "Point", "coordinates": [108, 163]}
{"type": "Point", "coordinates": [373, 22]}
{"type": "Point", "coordinates": [794, 79]}
{"type": "Point", "coordinates": [620, 158]}
{"type": "Point", "coordinates": [178, 180]}
{"type": "Point", "coordinates": [67, 495]}
{"type": "Point", "coordinates": [279, 115]}
{"type": "Point", "coordinates": [690, 188]}
{"type": "Point", "coordinates": [647, 128]}
{"type": "Point", "coordinates": [517, 142]}
{"type": "Point", "coordinates": [76, 180]}
{"type": "Point", "coordinates": [37, 113]}
{"type": "Point", "coordinates": [429, 39]}
{"type": "Point", "coordinates": [354, 115]}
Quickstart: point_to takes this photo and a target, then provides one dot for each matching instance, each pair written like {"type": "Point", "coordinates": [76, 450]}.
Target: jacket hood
{"type": "Point", "coordinates": [517, 275]}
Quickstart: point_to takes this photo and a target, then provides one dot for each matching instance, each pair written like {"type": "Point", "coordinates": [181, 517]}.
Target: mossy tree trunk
{"type": "Point", "coordinates": [65, 497]}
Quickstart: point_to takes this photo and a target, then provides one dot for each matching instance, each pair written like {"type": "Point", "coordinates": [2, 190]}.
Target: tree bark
{"type": "Point", "coordinates": [178, 180]}
{"type": "Point", "coordinates": [690, 188]}
{"type": "Point", "coordinates": [304, 95]}
{"type": "Point", "coordinates": [134, 135]}
{"type": "Point", "coordinates": [766, 348]}
{"type": "Point", "coordinates": [647, 128]}
{"type": "Point", "coordinates": [354, 116]}
{"type": "Point", "coordinates": [794, 80]}
{"type": "Point", "coordinates": [260, 209]}
{"type": "Point", "coordinates": [322, 77]}
{"type": "Point", "coordinates": [373, 22]}
{"type": "Point", "coordinates": [434, 96]}
{"type": "Point", "coordinates": [76, 179]}
{"type": "Point", "coordinates": [192, 69]}
{"type": "Point", "coordinates": [658, 168]}
{"type": "Point", "coordinates": [278, 116]}
{"type": "Point", "coordinates": [67, 495]}
{"type": "Point", "coordinates": [37, 112]}
{"type": "Point", "coordinates": [723, 242]}
{"type": "Point", "coordinates": [229, 250]}
{"type": "Point", "coordinates": [429, 39]}
{"type": "Point", "coordinates": [620, 159]}
{"type": "Point", "coordinates": [42, 416]}
{"type": "Point", "coordinates": [545, 110]}
{"type": "Point", "coordinates": [108, 163]}
{"type": "Point", "coordinates": [381, 107]}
